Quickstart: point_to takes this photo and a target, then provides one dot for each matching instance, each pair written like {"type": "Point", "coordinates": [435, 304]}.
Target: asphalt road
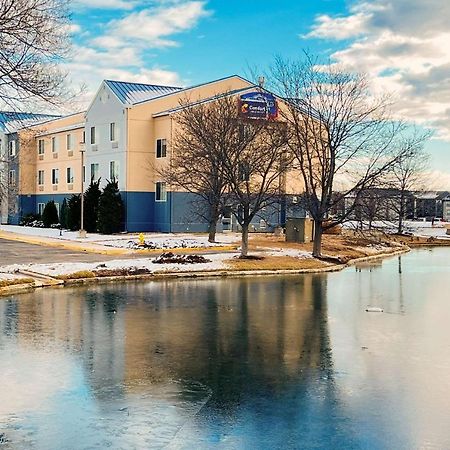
{"type": "Point", "coordinates": [14, 252]}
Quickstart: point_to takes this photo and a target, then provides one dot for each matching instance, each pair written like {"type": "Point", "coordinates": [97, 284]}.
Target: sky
{"type": "Point", "coordinates": [403, 45]}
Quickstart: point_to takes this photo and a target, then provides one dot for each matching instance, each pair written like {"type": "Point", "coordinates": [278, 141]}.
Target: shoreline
{"type": "Point", "coordinates": [54, 282]}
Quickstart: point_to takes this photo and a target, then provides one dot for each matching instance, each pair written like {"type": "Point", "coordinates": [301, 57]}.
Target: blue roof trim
{"type": "Point", "coordinates": [21, 118]}
{"type": "Point", "coordinates": [132, 93]}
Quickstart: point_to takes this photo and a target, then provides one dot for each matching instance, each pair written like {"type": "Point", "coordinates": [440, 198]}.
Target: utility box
{"type": "Point", "coordinates": [299, 230]}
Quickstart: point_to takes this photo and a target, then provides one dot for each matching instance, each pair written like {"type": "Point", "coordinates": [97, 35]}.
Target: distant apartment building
{"type": "Point", "coordinates": [125, 135]}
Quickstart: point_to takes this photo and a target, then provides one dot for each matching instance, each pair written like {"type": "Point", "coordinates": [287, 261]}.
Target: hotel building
{"type": "Point", "coordinates": [124, 134]}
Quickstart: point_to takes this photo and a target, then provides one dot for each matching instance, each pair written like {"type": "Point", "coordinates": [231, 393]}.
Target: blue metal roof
{"type": "Point", "coordinates": [132, 93]}
{"type": "Point", "coordinates": [11, 121]}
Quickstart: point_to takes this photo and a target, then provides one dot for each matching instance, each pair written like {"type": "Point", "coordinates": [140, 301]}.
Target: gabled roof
{"type": "Point", "coordinates": [132, 93]}
{"type": "Point", "coordinates": [10, 121]}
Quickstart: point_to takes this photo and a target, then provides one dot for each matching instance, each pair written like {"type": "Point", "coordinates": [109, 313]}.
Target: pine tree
{"type": "Point", "coordinates": [74, 212]}
{"type": "Point", "coordinates": [63, 220]}
{"type": "Point", "coordinates": [110, 209]}
{"type": "Point", "coordinates": [91, 199]}
{"type": "Point", "coordinates": [50, 214]}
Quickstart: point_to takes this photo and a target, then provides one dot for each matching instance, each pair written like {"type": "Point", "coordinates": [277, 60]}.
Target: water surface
{"type": "Point", "coordinates": [253, 363]}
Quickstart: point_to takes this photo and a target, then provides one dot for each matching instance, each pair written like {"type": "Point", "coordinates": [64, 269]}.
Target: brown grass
{"type": "Point", "coordinates": [275, 263]}
{"type": "Point", "coordinates": [5, 283]}
{"type": "Point", "coordinates": [77, 275]}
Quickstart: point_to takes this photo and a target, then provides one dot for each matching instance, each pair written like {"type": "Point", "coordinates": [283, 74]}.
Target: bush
{"type": "Point", "coordinates": [110, 209]}
{"type": "Point", "coordinates": [64, 214]}
{"type": "Point", "coordinates": [91, 199]}
{"type": "Point", "coordinates": [29, 219]}
{"type": "Point", "coordinates": [74, 212]}
{"type": "Point", "coordinates": [50, 214]}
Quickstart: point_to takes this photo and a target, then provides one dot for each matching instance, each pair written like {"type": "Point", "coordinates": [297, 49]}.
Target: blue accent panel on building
{"type": "Point", "coordinates": [138, 210]}
{"type": "Point", "coordinates": [185, 213]}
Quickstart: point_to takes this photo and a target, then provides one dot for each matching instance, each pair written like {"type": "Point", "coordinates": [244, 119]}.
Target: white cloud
{"type": "Point", "coordinates": [107, 4]}
{"type": "Point", "coordinates": [118, 53]}
{"type": "Point", "coordinates": [152, 26]}
{"type": "Point", "coordinates": [403, 45]}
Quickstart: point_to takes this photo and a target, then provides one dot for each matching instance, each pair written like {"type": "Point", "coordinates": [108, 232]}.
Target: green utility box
{"type": "Point", "coordinates": [299, 230]}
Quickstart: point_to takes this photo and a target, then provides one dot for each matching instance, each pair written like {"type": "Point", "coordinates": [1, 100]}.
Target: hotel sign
{"type": "Point", "coordinates": [258, 105]}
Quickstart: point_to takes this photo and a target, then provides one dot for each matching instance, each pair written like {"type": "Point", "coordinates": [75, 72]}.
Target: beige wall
{"type": "Point", "coordinates": [31, 162]}
{"type": "Point", "coordinates": [143, 130]}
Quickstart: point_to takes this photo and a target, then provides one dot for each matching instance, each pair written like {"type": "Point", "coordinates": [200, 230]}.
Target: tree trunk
{"type": "Point", "coordinates": [317, 244]}
{"type": "Point", "coordinates": [244, 243]}
{"type": "Point", "coordinates": [212, 226]}
{"type": "Point", "coordinates": [400, 215]}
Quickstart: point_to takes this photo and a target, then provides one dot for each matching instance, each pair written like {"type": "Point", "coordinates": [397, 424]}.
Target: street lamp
{"type": "Point", "coordinates": [82, 232]}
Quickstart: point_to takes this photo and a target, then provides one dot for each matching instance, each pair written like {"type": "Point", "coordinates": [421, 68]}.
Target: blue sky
{"type": "Point", "coordinates": [401, 44]}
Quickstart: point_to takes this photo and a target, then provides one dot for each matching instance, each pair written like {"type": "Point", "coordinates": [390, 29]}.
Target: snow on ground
{"type": "Point", "coordinates": [125, 240]}
{"type": "Point", "coordinates": [10, 276]}
{"type": "Point", "coordinates": [416, 227]}
{"type": "Point", "coordinates": [294, 253]}
{"type": "Point", "coordinates": [217, 263]}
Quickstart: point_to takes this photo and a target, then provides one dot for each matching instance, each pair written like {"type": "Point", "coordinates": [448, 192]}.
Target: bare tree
{"type": "Point", "coordinates": [408, 173]}
{"type": "Point", "coordinates": [338, 133]}
{"type": "Point", "coordinates": [205, 131]}
{"type": "Point", "coordinates": [255, 168]}
{"type": "Point", "coordinates": [34, 40]}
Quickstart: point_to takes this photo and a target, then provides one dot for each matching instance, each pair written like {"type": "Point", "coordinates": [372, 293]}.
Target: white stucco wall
{"type": "Point", "coordinates": [104, 110]}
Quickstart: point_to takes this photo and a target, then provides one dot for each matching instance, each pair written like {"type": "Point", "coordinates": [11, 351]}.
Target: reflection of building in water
{"type": "Point", "coordinates": [81, 321]}
{"type": "Point", "coordinates": [222, 332]}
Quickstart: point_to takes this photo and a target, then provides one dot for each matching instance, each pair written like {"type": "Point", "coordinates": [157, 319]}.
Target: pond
{"type": "Point", "coordinates": [249, 363]}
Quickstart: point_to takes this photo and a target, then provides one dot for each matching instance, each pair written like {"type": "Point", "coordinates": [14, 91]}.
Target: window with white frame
{"type": "Point", "coordinates": [83, 137]}
{"type": "Point", "coordinates": [55, 144]}
{"type": "Point", "coordinates": [94, 171]}
{"type": "Point", "coordinates": [93, 135]}
{"type": "Point", "coordinates": [41, 146]}
{"type": "Point", "coordinates": [69, 175]}
{"type": "Point", "coordinates": [112, 132]}
{"type": "Point", "coordinates": [12, 178]}
{"type": "Point", "coordinates": [161, 192]}
{"type": "Point", "coordinates": [69, 142]}
{"type": "Point", "coordinates": [12, 148]}
{"type": "Point", "coordinates": [40, 208]}
{"type": "Point", "coordinates": [84, 174]}
{"type": "Point", "coordinates": [161, 148]}
{"type": "Point", "coordinates": [55, 176]}
{"type": "Point", "coordinates": [113, 170]}
{"type": "Point", "coordinates": [40, 177]}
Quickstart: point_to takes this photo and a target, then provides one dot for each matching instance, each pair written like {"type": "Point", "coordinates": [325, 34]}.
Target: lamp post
{"type": "Point", "coordinates": [82, 232]}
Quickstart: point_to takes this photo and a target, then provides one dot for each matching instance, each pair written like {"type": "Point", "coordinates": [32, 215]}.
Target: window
{"type": "Point", "coordinates": [12, 177]}
{"type": "Point", "coordinates": [93, 135]}
{"type": "Point", "coordinates": [69, 175]}
{"type": "Point", "coordinates": [112, 131]}
{"type": "Point", "coordinates": [114, 170]}
{"type": "Point", "coordinates": [55, 176]}
{"type": "Point", "coordinates": [40, 177]}
{"type": "Point", "coordinates": [94, 172]}
{"type": "Point", "coordinates": [161, 148]}
{"type": "Point", "coordinates": [69, 142]}
{"type": "Point", "coordinates": [54, 144]}
{"type": "Point", "coordinates": [83, 141]}
{"type": "Point", "coordinates": [84, 174]}
{"type": "Point", "coordinates": [12, 148]}
{"type": "Point", "coordinates": [161, 193]}
{"type": "Point", "coordinates": [41, 146]}
{"type": "Point", "coordinates": [40, 208]}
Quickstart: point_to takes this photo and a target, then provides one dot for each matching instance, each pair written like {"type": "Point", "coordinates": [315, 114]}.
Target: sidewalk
{"type": "Point", "coordinates": [117, 244]}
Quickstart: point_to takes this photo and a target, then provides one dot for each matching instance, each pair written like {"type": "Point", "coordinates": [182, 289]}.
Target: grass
{"type": "Point", "coordinates": [77, 275]}
{"type": "Point", "coordinates": [275, 263]}
{"type": "Point", "coordinates": [16, 281]}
